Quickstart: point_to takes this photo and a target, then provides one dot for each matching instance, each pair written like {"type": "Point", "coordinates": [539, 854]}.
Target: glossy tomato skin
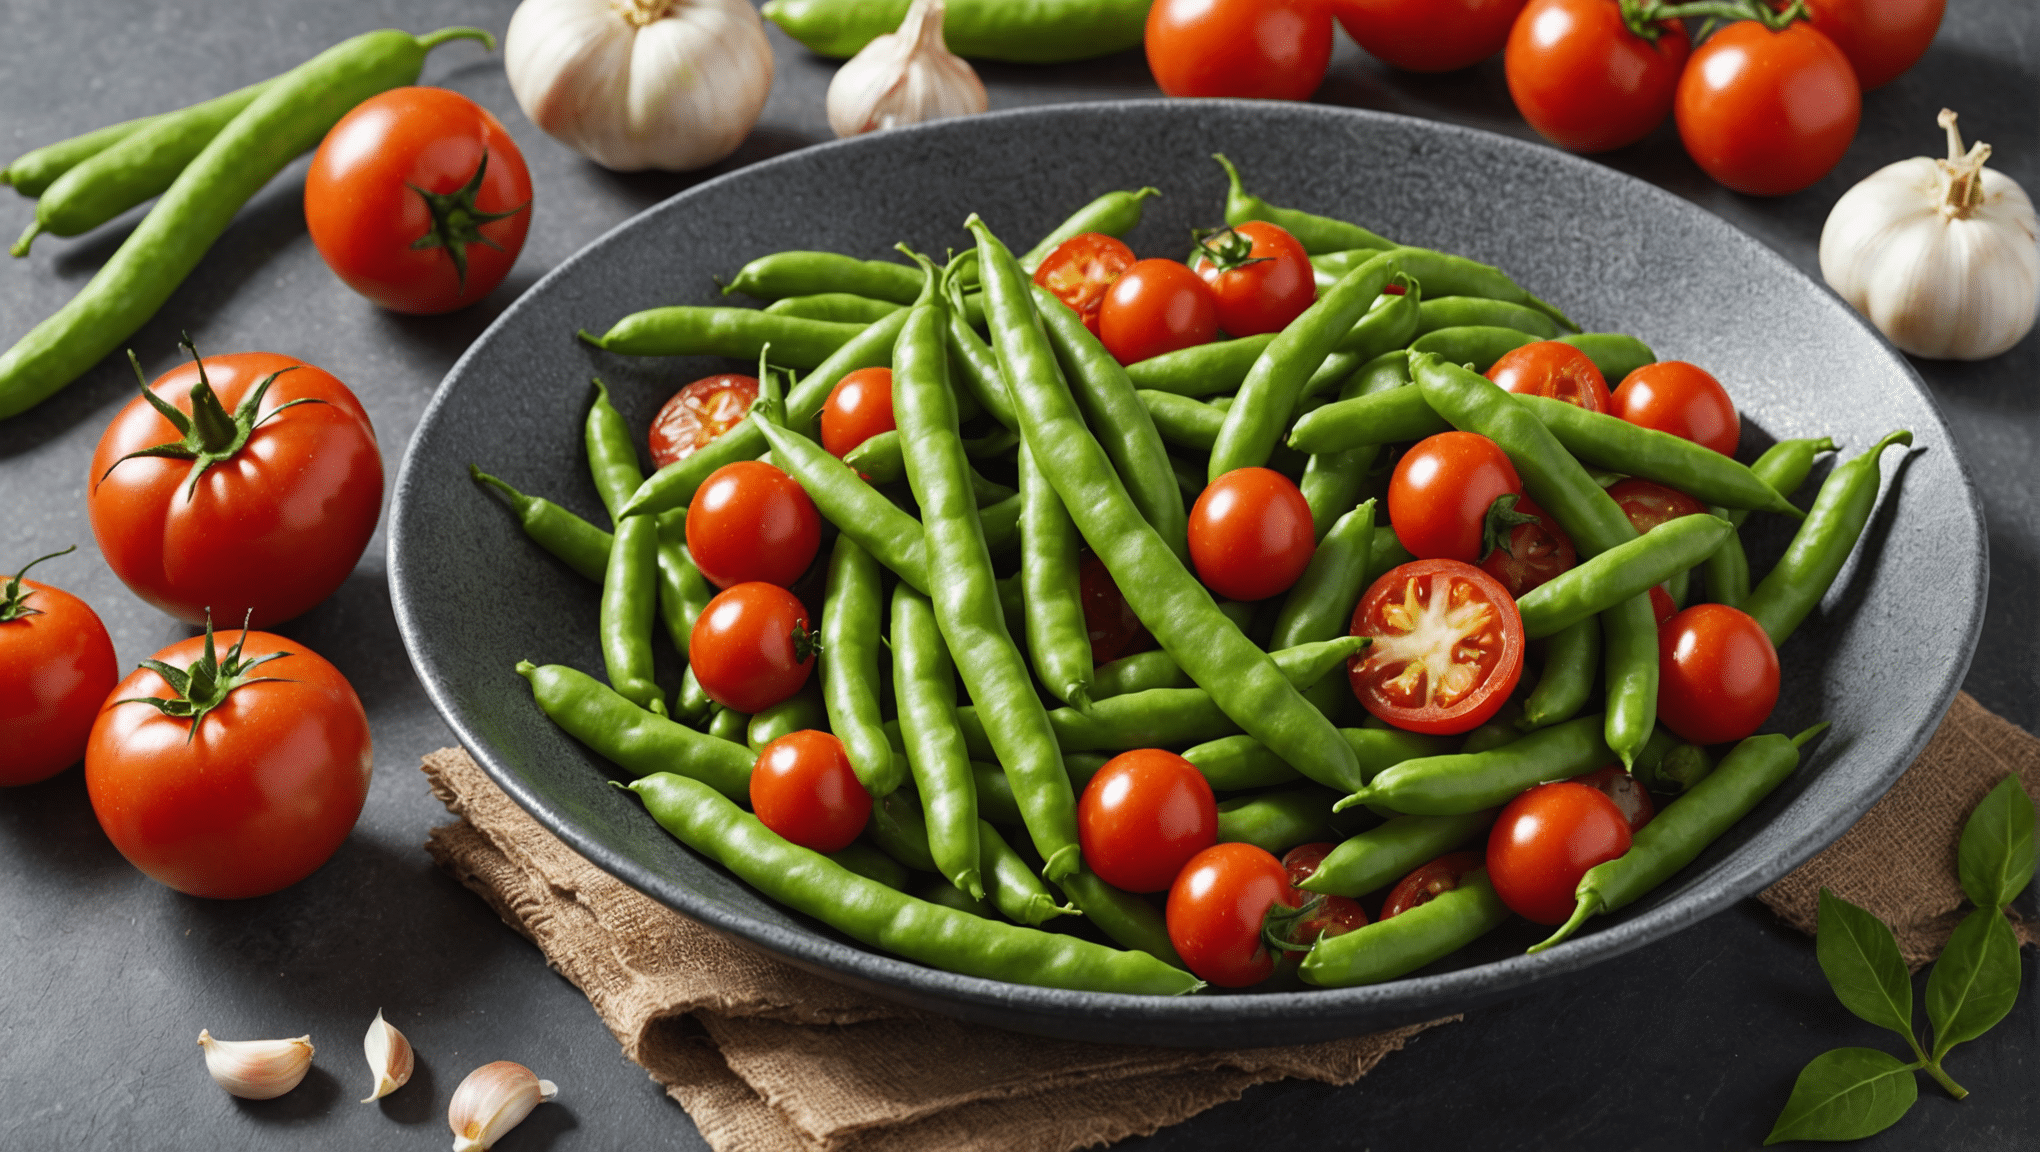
{"type": "Point", "coordinates": [859, 407]}
{"type": "Point", "coordinates": [751, 521]}
{"type": "Point", "coordinates": [1428, 35]}
{"type": "Point", "coordinates": [1535, 552]}
{"type": "Point", "coordinates": [749, 648]}
{"type": "Point", "coordinates": [1444, 614]}
{"type": "Point", "coordinates": [698, 413]}
{"type": "Point", "coordinates": [1216, 910]}
{"type": "Point", "coordinates": [1250, 534]}
{"type": "Point", "coordinates": [1266, 294]}
{"type": "Point", "coordinates": [1554, 370]}
{"type": "Point", "coordinates": [1682, 399]}
{"type": "Point", "coordinates": [1587, 83]}
{"type": "Point", "coordinates": [1440, 493]}
{"type": "Point", "coordinates": [275, 529]}
{"type": "Point", "coordinates": [1081, 270]}
{"type": "Point", "coordinates": [1881, 38]}
{"type": "Point", "coordinates": [803, 788]}
{"type": "Point", "coordinates": [1631, 797]}
{"type": "Point", "coordinates": [1114, 630]}
{"type": "Point", "coordinates": [56, 668]}
{"type": "Point", "coordinates": [1767, 113]}
{"type": "Point", "coordinates": [1426, 881]}
{"type": "Point", "coordinates": [1545, 840]}
{"type": "Point", "coordinates": [1717, 674]}
{"type": "Point", "coordinates": [258, 797]}
{"type": "Point", "coordinates": [1260, 49]}
{"type": "Point", "coordinates": [364, 215]}
{"type": "Point", "coordinates": [1143, 816]}
{"type": "Point", "coordinates": [1156, 306]}
{"type": "Point", "coordinates": [1649, 505]}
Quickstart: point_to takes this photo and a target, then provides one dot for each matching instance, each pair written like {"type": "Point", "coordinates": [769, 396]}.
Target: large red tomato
{"type": "Point", "coordinates": [56, 667]}
{"type": "Point", "coordinates": [248, 775]}
{"type": "Point", "coordinates": [1583, 77]}
{"type": "Point", "coordinates": [1766, 112]}
{"type": "Point", "coordinates": [1267, 49]}
{"type": "Point", "coordinates": [1881, 38]}
{"type": "Point", "coordinates": [267, 504]}
{"type": "Point", "coordinates": [1428, 35]}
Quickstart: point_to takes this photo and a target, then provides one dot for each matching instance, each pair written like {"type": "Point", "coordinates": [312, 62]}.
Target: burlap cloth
{"type": "Point", "coordinates": [766, 1058]}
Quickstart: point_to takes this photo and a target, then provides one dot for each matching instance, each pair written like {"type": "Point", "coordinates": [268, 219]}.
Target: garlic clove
{"type": "Point", "coordinates": [492, 1100]}
{"type": "Point", "coordinates": [389, 1058]}
{"type": "Point", "coordinates": [904, 77]}
{"type": "Point", "coordinates": [256, 1069]}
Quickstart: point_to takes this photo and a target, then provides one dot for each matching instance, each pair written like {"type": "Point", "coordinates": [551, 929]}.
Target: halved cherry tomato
{"type": "Point", "coordinates": [1545, 840]}
{"type": "Point", "coordinates": [1584, 80]}
{"type": "Point", "coordinates": [1447, 651]}
{"type": "Point", "coordinates": [751, 647]}
{"type": "Point", "coordinates": [803, 789]}
{"type": "Point", "coordinates": [1551, 369]}
{"type": "Point", "coordinates": [1767, 113]}
{"type": "Point", "coordinates": [1442, 497]}
{"type": "Point", "coordinates": [1717, 674]}
{"type": "Point", "coordinates": [1881, 38]}
{"type": "Point", "coordinates": [1682, 399]}
{"type": "Point", "coordinates": [1531, 553]}
{"type": "Point", "coordinates": [1631, 797]}
{"type": "Point", "coordinates": [1082, 269]}
{"type": "Point", "coordinates": [1260, 274]}
{"type": "Point", "coordinates": [750, 521]}
{"type": "Point", "coordinates": [1425, 882]}
{"type": "Point", "coordinates": [698, 413]}
{"type": "Point", "coordinates": [56, 667]}
{"type": "Point", "coordinates": [1333, 915]}
{"type": "Point", "coordinates": [1260, 49]}
{"type": "Point", "coordinates": [1648, 505]}
{"type": "Point", "coordinates": [1157, 306]}
{"type": "Point", "coordinates": [1217, 908]}
{"type": "Point", "coordinates": [1428, 35]}
{"type": "Point", "coordinates": [858, 408]}
{"type": "Point", "coordinates": [1115, 631]}
{"type": "Point", "coordinates": [1143, 816]}
{"type": "Point", "coordinates": [1250, 534]}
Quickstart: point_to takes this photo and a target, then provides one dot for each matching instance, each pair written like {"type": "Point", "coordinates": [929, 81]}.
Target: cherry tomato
{"type": "Point", "coordinates": [1115, 631]}
{"type": "Point", "coordinates": [1584, 80]}
{"type": "Point", "coordinates": [1631, 797]}
{"type": "Point", "coordinates": [1143, 815]}
{"type": "Point", "coordinates": [1260, 274]}
{"type": "Point", "coordinates": [1531, 553]}
{"type": "Point", "coordinates": [1442, 494]}
{"type": "Point", "coordinates": [1428, 35]}
{"type": "Point", "coordinates": [274, 527]}
{"type": "Point", "coordinates": [56, 667]}
{"type": "Point", "coordinates": [1766, 112]}
{"type": "Point", "coordinates": [1881, 38]}
{"type": "Point", "coordinates": [419, 200]}
{"type": "Point", "coordinates": [1551, 369]}
{"type": "Point", "coordinates": [1662, 606]}
{"type": "Point", "coordinates": [1649, 505]}
{"type": "Point", "coordinates": [1081, 270]}
{"type": "Point", "coordinates": [1157, 306]}
{"type": "Point", "coordinates": [254, 794]}
{"type": "Point", "coordinates": [1250, 534]}
{"type": "Point", "coordinates": [1447, 650]}
{"type": "Point", "coordinates": [1717, 674]}
{"type": "Point", "coordinates": [1301, 862]}
{"type": "Point", "coordinates": [859, 407]}
{"type": "Point", "coordinates": [751, 647]}
{"type": "Point", "coordinates": [803, 789]}
{"type": "Point", "coordinates": [1263, 49]}
{"type": "Point", "coordinates": [1425, 882]}
{"type": "Point", "coordinates": [1217, 908]}
{"type": "Point", "coordinates": [1545, 840]}
{"type": "Point", "coordinates": [700, 412]}
{"type": "Point", "coordinates": [1682, 399]}
{"type": "Point", "coordinates": [750, 521]}
{"type": "Point", "coordinates": [1334, 915]}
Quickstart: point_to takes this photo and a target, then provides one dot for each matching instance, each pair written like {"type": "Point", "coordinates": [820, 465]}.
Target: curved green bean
{"type": "Point", "coordinates": [796, 273]}
{"type": "Point", "coordinates": [835, 307]}
{"type": "Point", "coordinates": [1614, 443]}
{"type": "Point", "coordinates": [1057, 636]}
{"type": "Point", "coordinates": [575, 542]}
{"type": "Point", "coordinates": [1572, 661]}
{"type": "Point", "coordinates": [739, 333]}
{"type": "Point", "coordinates": [1443, 274]}
{"type": "Point", "coordinates": [1470, 311]}
{"type": "Point", "coordinates": [1125, 919]}
{"type": "Point", "coordinates": [1011, 886]}
{"type": "Point", "coordinates": [1319, 605]}
{"type": "Point", "coordinates": [849, 665]}
{"type": "Point", "coordinates": [801, 712]}
{"type": "Point", "coordinates": [633, 739]}
{"type": "Point", "coordinates": [1629, 569]}
{"type": "Point", "coordinates": [1784, 466]}
{"type": "Point", "coordinates": [1387, 852]}
{"type": "Point", "coordinates": [1401, 944]}
{"type": "Point", "coordinates": [1470, 781]}
{"type": "Point", "coordinates": [35, 170]}
{"type": "Point", "coordinates": [1044, 32]}
{"type": "Point", "coordinates": [1477, 344]}
{"type": "Point", "coordinates": [1794, 588]}
{"type": "Point", "coordinates": [1317, 234]}
{"type": "Point", "coordinates": [1613, 353]}
{"type": "Point", "coordinates": [1114, 214]}
{"type": "Point", "coordinates": [1278, 821]}
{"type": "Point", "coordinates": [924, 686]}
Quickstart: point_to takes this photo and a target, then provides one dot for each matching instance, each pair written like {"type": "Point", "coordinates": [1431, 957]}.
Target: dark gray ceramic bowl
{"type": "Point", "coordinates": [1882, 658]}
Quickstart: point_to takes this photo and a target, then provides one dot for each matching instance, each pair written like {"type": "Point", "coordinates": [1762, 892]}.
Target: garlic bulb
{"type": "Point", "coordinates": [256, 1069]}
{"type": "Point", "coordinates": [390, 1059]}
{"type": "Point", "coordinates": [1939, 254]}
{"type": "Point", "coordinates": [634, 84]}
{"type": "Point", "coordinates": [492, 1100]}
{"type": "Point", "coordinates": [904, 77]}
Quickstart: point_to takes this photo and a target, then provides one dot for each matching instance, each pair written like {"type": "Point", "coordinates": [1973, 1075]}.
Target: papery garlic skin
{"type": "Point", "coordinates": [635, 84]}
{"type": "Point", "coordinates": [256, 1069]}
{"type": "Point", "coordinates": [1941, 279]}
{"type": "Point", "coordinates": [390, 1059]}
{"type": "Point", "coordinates": [904, 77]}
{"type": "Point", "coordinates": [492, 1100]}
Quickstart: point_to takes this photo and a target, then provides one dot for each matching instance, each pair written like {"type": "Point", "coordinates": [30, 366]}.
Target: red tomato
{"type": "Point", "coordinates": [1217, 908]}
{"type": "Point", "coordinates": [1649, 505]}
{"type": "Point", "coordinates": [751, 647]}
{"type": "Point", "coordinates": [1157, 306]}
{"type": "Point", "coordinates": [1629, 796]}
{"type": "Point", "coordinates": [1447, 651]}
{"type": "Point", "coordinates": [1333, 915]}
{"type": "Point", "coordinates": [252, 795]}
{"type": "Point", "coordinates": [1428, 35]}
{"type": "Point", "coordinates": [419, 200]}
{"type": "Point", "coordinates": [803, 789]}
{"type": "Point", "coordinates": [1264, 49]}
{"type": "Point", "coordinates": [1545, 840]}
{"type": "Point", "coordinates": [1717, 674]}
{"type": "Point", "coordinates": [1250, 534]}
{"type": "Point", "coordinates": [1766, 112]}
{"type": "Point", "coordinates": [1585, 80]}
{"type": "Point", "coordinates": [1531, 553]}
{"type": "Point", "coordinates": [1143, 815]}
{"type": "Point", "coordinates": [700, 412]}
{"type": "Point", "coordinates": [750, 521]}
{"type": "Point", "coordinates": [1301, 862]}
{"type": "Point", "coordinates": [1261, 276]}
{"type": "Point", "coordinates": [1425, 882]}
{"type": "Point", "coordinates": [1682, 399]}
{"type": "Point", "coordinates": [1881, 38]}
{"type": "Point", "coordinates": [56, 667]}
{"type": "Point", "coordinates": [1551, 369]}
{"type": "Point", "coordinates": [859, 407]}
{"type": "Point", "coordinates": [1081, 270]}
{"type": "Point", "coordinates": [1662, 606]}
{"type": "Point", "coordinates": [1443, 493]}
{"type": "Point", "coordinates": [273, 527]}
{"type": "Point", "coordinates": [1115, 631]}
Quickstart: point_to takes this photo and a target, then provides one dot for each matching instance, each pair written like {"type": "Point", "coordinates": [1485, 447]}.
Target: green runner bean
{"type": "Point", "coordinates": [1442, 274]}
{"type": "Point", "coordinates": [739, 333]}
{"type": "Point", "coordinates": [1201, 369]}
{"type": "Point", "coordinates": [924, 687]}
{"type": "Point", "coordinates": [1316, 233]}
{"type": "Point", "coordinates": [796, 273]}
{"type": "Point", "coordinates": [1629, 569]}
{"type": "Point", "coordinates": [1467, 311]}
{"type": "Point", "coordinates": [1615, 354]}
{"type": "Point", "coordinates": [1784, 466]}
{"type": "Point", "coordinates": [37, 169]}
{"type": "Point", "coordinates": [575, 542]}
{"type": "Point", "coordinates": [1046, 32]}
{"type": "Point", "coordinates": [1278, 821]}
{"type": "Point", "coordinates": [835, 307]}
{"type": "Point", "coordinates": [1468, 782]}
{"type": "Point", "coordinates": [683, 590]}
{"type": "Point", "coordinates": [1182, 421]}
{"type": "Point", "coordinates": [633, 739]}
{"type": "Point", "coordinates": [1057, 636]}
{"type": "Point", "coordinates": [1389, 851]}
{"type": "Point", "coordinates": [1572, 661]}
{"type": "Point", "coordinates": [1476, 344]}
{"type": "Point", "coordinates": [1319, 605]}
{"type": "Point", "coordinates": [1794, 588]}
{"type": "Point", "coordinates": [731, 725]}
{"type": "Point", "coordinates": [1368, 419]}
{"type": "Point", "coordinates": [801, 712]}
{"type": "Point", "coordinates": [850, 626]}
{"type": "Point", "coordinates": [1390, 948]}
{"type": "Point", "coordinates": [1633, 450]}
{"type": "Point", "coordinates": [1126, 919]}
{"type": "Point", "coordinates": [1114, 214]}
{"type": "Point", "coordinates": [1011, 886]}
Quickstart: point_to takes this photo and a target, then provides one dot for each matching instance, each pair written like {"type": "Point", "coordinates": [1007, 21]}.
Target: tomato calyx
{"type": "Point", "coordinates": [807, 643]}
{"type": "Point", "coordinates": [207, 683]}
{"type": "Point", "coordinates": [1280, 925]}
{"type": "Point", "coordinates": [210, 434]}
{"type": "Point", "coordinates": [457, 221]}
{"type": "Point", "coordinates": [1501, 522]}
{"type": "Point", "coordinates": [1226, 249]}
{"type": "Point", "coordinates": [1644, 17]}
{"type": "Point", "coordinates": [13, 601]}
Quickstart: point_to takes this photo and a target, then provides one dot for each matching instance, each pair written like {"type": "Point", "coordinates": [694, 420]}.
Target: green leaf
{"type": "Point", "coordinates": [1976, 980]}
{"type": "Point", "coordinates": [1846, 1094]}
{"type": "Point", "coordinates": [1860, 956]}
{"type": "Point", "coordinates": [1996, 859]}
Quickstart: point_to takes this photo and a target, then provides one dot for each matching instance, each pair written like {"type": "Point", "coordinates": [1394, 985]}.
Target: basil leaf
{"type": "Point", "coordinates": [1860, 956]}
{"type": "Point", "coordinates": [1975, 981]}
{"type": "Point", "coordinates": [1846, 1094]}
{"type": "Point", "coordinates": [1996, 858]}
